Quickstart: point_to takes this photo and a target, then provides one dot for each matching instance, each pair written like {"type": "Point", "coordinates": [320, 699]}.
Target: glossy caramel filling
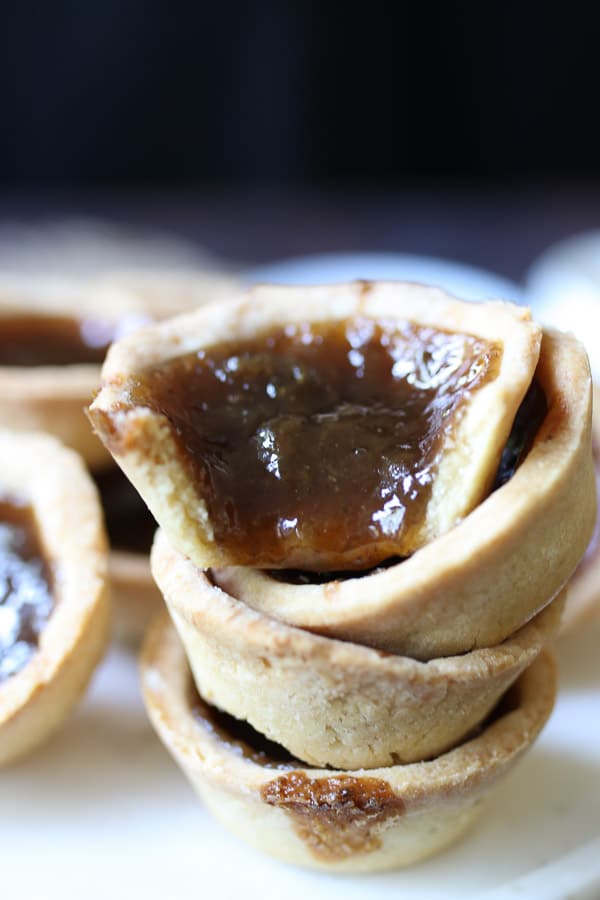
{"type": "Point", "coordinates": [26, 600]}
{"type": "Point", "coordinates": [318, 441]}
{"type": "Point", "coordinates": [129, 522]}
{"type": "Point", "coordinates": [44, 340]}
{"type": "Point", "coordinates": [528, 420]}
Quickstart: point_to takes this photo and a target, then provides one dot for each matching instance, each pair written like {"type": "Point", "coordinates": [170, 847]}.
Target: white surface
{"type": "Point", "coordinates": [101, 811]}
{"type": "Point", "coordinates": [465, 281]}
{"type": "Point", "coordinates": [563, 286]}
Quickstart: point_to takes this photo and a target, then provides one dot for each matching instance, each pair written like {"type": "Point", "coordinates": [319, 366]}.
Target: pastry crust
{"type": "Point", "coordinates": [480, 582]}
{"type": "Point", "coordinates": [144, 442]}
{"type": "Point", "coordinates": [328, 702]}
{"type": "Point", "coordinates": [135, 597]}
{"type": "Point", "coordinates": [53, 481]}
{"type": "Point", "coordinates": [328, 819]}
{"type": "Point", "coordinates": [584, 588]}
{"type": "Point", "coordinates": [52, 398]}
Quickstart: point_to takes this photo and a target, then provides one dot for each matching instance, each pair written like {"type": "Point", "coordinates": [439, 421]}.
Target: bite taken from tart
{"type": "Point", "coordinates": [54, 613]}
{"type": "Point", "coordinates": [376, 462]}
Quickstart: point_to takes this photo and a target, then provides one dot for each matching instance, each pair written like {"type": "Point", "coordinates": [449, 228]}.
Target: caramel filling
{"type": "Point", "coordinates": [26, 600]}
{"type": "Point", "coordinates": [528, 420]}
{"type": "Point", "coordinates": [240, 737]}
{"type": "Point", "coordinates": [43, 340]}
{"type": "Point", "coordinates": [318, 442]}
{"type": "Point", "coordinates": [129, 522]}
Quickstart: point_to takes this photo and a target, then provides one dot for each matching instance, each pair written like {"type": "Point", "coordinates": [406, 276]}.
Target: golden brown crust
{"type": "Point", "coordinates": [477, 584]}
{"type": "Point", "coordinates": [145, 444]}
{"type": "Point", "coordinates": [352, 707]}
{"type": "Point", "coordinates": [320, 818]}
{"type": "Point", "coordinates": [53, 481]}
{"type": "Point", "coordinates": [583, 598]}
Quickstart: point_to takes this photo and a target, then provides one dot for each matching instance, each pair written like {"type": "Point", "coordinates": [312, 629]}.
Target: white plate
{"type": "Point", "coordinates": [458, 278]}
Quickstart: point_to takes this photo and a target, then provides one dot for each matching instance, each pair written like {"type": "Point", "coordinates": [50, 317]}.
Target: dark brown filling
{"type": "Point", "coordinates": [240, 737]}
{"type": "Point", "coordinates": [530, 416]}
{"type": "Point", "coordinates": [43, 340]}
{"type": "Point", "coordinates": [319, 442]}
{"type": "Point", "coordinates": [26, 600]}
{"type": "Point", "coordinates": [129, 522]}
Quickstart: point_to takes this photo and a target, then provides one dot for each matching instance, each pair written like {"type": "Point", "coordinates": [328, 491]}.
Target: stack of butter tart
{"type": "Point", "coordinates": [370, 498]}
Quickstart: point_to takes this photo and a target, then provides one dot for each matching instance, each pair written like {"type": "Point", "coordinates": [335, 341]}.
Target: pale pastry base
{"type": "Point", "coordinates": [424, 807]}
{"type": "Point", "coordinates": [54, 482]}
{"type": "Point", "coordinates": [333, 703]}
{"type": "Point", "coordinates": [480, 582]}
{"type": "Point", "coordinates": [145, 444]}
{"type": "Point", "coordinates": [136, 599]}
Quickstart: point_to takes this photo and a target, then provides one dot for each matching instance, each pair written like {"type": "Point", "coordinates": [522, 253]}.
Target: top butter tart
{"type": "Point", "coordinates": [322, 429]}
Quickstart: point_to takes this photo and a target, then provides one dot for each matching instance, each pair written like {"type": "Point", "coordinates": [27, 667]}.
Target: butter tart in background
{"type": "Point", "coordinates": [481, 573]}
{"type": "Point", "coordinates": [329, 702]}
{"type": "Point", "coordinates": [340, 821]}
{"type": "Point", "coordinates": [54, 333]}
{"type": "Point", "coordinates": [584, 588]}
{"type": "Point", "coordinates": [54, 612]}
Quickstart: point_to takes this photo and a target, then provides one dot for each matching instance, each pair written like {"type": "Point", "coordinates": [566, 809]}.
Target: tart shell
{"type": "Point", "coordinates": [53, 482]}
{"type": "Point", "coordinates": [340, 821]}
{"type": "Point", "coordinates": [328, 702]}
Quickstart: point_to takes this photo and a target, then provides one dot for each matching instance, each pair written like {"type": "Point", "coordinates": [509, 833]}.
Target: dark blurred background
{"type": "Point", "coordinates": [454, 103]}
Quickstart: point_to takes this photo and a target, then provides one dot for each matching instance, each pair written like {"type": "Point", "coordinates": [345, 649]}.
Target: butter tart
{"type": "Point", "coordinates": [333, 703]}
{"type": "Point", "coordinates": [341, 821]}
{"type": "Point", "coordinates": [54, 335]}
{"type": "Point", "coordinates": [584, 587]}
{"type": "Point", "coordinates": [317, 428]}
{"type": "Point", "coordinates": [391, 408]}
{"type": "Point", "coordinates": [54, 615]}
